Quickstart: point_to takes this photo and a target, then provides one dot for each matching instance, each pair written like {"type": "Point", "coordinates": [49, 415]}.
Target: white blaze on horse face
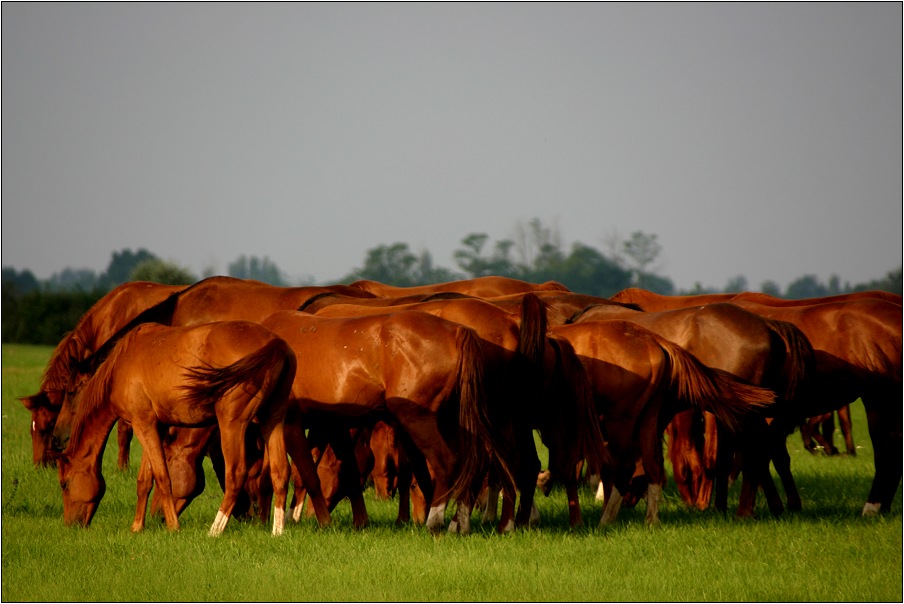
{"type": "Point", "coordinates": [32, 425]}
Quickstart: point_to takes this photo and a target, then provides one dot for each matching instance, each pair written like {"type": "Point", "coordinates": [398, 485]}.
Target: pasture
{"type": "Point", "coordinates": [827, 552]}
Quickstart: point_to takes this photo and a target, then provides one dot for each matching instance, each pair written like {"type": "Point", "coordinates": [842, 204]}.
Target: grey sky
{"type": "Point", "coordinates": [762, 140]}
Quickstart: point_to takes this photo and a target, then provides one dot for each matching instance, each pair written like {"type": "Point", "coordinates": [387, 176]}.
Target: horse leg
{"type": "Point", "coordinates": [782, 462]}
{"type": "Point", "coordinates": [124, 440]}
{"type": "Point", "coordinates": [425, 434]}
{"type": "Point", "coordinates": [844, 422]}
{"type": "Point", "coordinates": [232, 439]}
{"type": "Point", "coordinates": [885, 433]}
{"type": "Point", "coordinates": [303, 461]}
{"type": "Point", "coordinates": [275, 453]}
{"type": "Point", "coordinates": [145, 484]}
{"type": "Point", "coordinates": [149, 437]}
{"type": "Point", "coordinates": [828, 434]}
{"type": "Point", "coordinates": [610, 512]}
{"type": "Point", "coordinates": [350, 476]}
{"type": "Point", "coordinates": [493, 490]}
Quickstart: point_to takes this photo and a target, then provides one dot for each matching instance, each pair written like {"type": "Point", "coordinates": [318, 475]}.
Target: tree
{"type": "Point", "coordinates": [18, 282]}
{"type": "Point", "coordinates": [771, 288]}
{"type": "Point", "coordinates": [121, 266]}
{"type": "Point", "coordinates": [588, 271]}
{"type": "Point", "coordinates": [475, 264]}
{"type": "Point", "coordinates": [390, 264]}
{"type": "Point", "coordinates": [160, 271]}
{"type": "Point", "coordinates": [643, 249]}
{"type": "Point", "coordinates": [890, 283]}
{"type": "Point", "coordinates": [807, 286]}
{"type": "Point", "coordinates": [254, 268]}
{"type": "Point", "coordinates": [736, 285]}
{"type": "Point", "coordinates": [73, 279]}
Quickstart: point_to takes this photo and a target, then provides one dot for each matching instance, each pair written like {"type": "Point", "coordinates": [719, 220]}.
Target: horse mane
{"type": "Point", "coordinates": [317, 297]}
{"type": "Point", "coordinates": [59, 368]}
{"type": "Point", "coordinates": [161, 313]}
{"type": "Point", "coordinates": [95, 395]}
{"type": "Point", "coordinates": [576, 316]}
{"type": "Point", "coordinates": [447, 296]}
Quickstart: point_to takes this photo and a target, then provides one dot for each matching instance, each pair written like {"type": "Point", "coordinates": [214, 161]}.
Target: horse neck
{"type": "Point", "coordinates": [86, 449]}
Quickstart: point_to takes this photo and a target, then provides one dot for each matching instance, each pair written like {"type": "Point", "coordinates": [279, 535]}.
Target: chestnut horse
{"type": "Point", "coordinates": [857, 344]}
{"type": "Point", "coordinates": [421, 370]}
{"type": "Point", "coordinates": [763, 352]}
{"type": "Point", "coordinates": [231, 373]}
{"type": "Point", "coordinates": [819, 432]}
{"type": "Point", "coordinates": [652, 301]}
{"type": "Point", "coordinates": [535, 390]}
{"type": "Point", "coordinates": [640, 380]}
{"type": "Point", "coordinates": [102, 320]}
{"type": "Point", "coordinates": [481, 287]}
{"type": "Point", "coordinates": [857, 348]}
{"type": "Point", "coordinates": [213, 299]}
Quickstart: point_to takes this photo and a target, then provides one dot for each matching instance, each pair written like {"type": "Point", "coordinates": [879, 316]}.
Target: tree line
{"type": "Point", "coordinates": [41, 312]}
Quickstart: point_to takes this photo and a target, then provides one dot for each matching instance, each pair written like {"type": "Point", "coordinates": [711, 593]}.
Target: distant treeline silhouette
{"type": "Point", "coordinates": [41, 312]}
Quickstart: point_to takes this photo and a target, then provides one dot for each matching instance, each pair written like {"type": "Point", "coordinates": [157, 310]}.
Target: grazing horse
{"type": "Point", "coordinates": [640, 380]}
{"type": "Point", "coordinates": [757, 350]}
{"type": "Point", "coordinates": [857, 353]}
{"type": "Point", "coordinates": [213, 299]}
{"type": "Point", "coordinates": [102, 320]}
{"type": "Point", "coordinates": [535, 390]}
{"type": "Point", "coordinates": [857, 348]}
{"type": "Point", "coordinates": [481, 287]}
{"type": "Point", "coordinates": [819, 432]}
{"type": "Point", "coordinates": [230, 373]}
{"type": "Point", "coordinates": [652, 301]}
{"type": "Point", "coordinates": [423, 371]}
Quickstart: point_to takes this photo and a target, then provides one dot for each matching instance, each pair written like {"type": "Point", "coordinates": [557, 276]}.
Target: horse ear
{"type": "Point", "coordinates": [34, 401]}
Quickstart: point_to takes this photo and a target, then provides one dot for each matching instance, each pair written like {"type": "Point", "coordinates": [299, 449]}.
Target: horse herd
{"type": "Point", "coordinates": [445, 385]}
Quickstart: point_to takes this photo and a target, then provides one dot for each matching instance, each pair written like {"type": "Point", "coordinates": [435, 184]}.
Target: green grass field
{"type": "Point", "coordinates": [828, 552]}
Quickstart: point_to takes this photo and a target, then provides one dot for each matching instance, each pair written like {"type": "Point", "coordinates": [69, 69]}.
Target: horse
{"type": "Point", "coordinates": [763, 352]}
{"type": "Point", "coordinates": [857, 348]}
{"type": "Point", "coordinates": [213, 299]}
{"type": "Point", "coordinates": [652, 301]}
{"type": "Point", "coordinates": [818, 432]}
{"type": "Point", "coordinates": [640, 380]}
{"type": "Point", "coordinates": [102, 320]}
{"type": "Point", "coordinates": [535, 390]}
{"type": "Point", "coordinates": [421, 370]}
{"type": "Point", "coordinates": [481, 287]}
{"type": "Point", "coordinates": [230, 373]}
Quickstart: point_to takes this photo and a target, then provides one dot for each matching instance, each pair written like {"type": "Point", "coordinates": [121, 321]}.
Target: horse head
{"type": "Point", "coordinates": [82, 490]}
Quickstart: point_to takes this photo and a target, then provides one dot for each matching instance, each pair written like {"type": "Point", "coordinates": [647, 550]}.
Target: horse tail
{"type": "Point", "coordinates": [579, 392]}
{"type": "Point", "coordinates": [268, 369]}
{"type": "Point", "coordinates": [799, 356]}
{"type": "Point", "coordinates": [532, 339]}
{"type": "Point", "coordinates": [479, 446]}
{"type": "Point", "coordinates": [713, 390]}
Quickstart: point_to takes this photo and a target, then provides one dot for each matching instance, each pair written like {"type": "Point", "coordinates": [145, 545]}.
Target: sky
{"type": "Point", "coordinates": [762, 140]}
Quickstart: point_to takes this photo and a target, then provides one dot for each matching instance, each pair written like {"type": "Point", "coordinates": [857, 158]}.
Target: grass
{"type": "Point", "coordinates": [828, 552]}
